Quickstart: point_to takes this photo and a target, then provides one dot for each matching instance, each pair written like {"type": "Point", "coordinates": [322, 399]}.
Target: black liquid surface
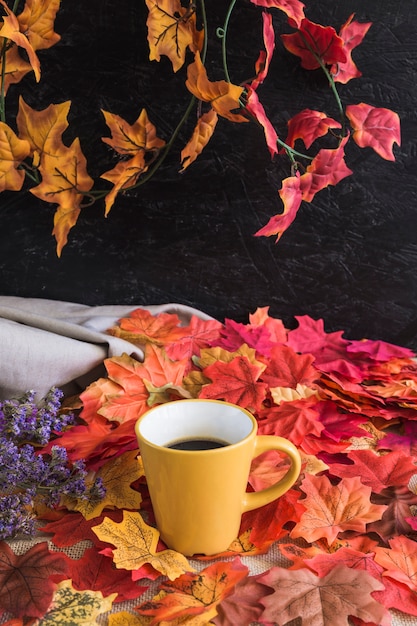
{"type": "Point", "coordinates": [197, 444]}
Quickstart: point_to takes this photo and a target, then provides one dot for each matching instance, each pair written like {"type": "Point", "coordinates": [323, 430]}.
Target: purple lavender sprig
{"type": "Point", "coordinates": [25, 475]}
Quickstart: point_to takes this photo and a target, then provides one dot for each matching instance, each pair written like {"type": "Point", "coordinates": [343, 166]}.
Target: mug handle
{"type": "Point", "coordinates": [263, 443]}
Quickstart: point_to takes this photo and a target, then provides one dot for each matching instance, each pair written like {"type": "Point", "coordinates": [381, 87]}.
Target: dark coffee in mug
{"type": "Point", "coordinates": [197, 444]}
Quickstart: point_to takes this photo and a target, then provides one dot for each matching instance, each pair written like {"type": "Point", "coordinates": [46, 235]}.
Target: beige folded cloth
{"type": "Point", "coordinates": [48, 342]}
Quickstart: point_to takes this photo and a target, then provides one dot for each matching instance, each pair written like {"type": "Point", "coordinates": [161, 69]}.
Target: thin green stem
{"type": "Point", "coordinates": [222, 33]}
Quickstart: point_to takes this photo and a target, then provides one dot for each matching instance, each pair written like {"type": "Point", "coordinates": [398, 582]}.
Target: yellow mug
{"type": "Point", "coordinates": [198, 495]}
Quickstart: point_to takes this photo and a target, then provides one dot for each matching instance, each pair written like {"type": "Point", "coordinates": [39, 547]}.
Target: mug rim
{"type": "Point", "coordinates": [252, 433]}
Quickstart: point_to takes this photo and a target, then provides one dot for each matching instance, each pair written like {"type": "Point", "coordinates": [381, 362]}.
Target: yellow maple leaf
{"type": "Point", "coordinates": [288, 394]}
{"type": "Point", "coordinates": [202, 134]}
{"type": "Point", "coordinates": [165, 393]}
{"type": "Point", "coordinates": [12, 152]}
{"type": "Point", "coordinates": [171, 30]}
{"type": "Point", "coordinates": [123, 176]}
{"type": "Point", "coordinates": [70, 606]}
{"type": "Point", "coordinates": [124, 618]}
{"type": "Point", "coordinates": [194, 382]}
{"type": "Point", "coordinates": [37, 22]}
{"type": "Point", "coordinates": [131, 138]}
{"type": "Point", "coordinates": [117, 475]}
{"type": "Point", "coordinates": [224, 97]}
{"type": "Point", "coordinates": [11, 31]}
{"type": "Point", "coordinates": [136, 544]}
{"type": "Point", "coordinates": [208, 356]}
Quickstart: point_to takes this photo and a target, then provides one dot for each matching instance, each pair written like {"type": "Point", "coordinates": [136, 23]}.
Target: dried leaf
{"type": "Point", "coordinates": [11, 30]}
{"type": "Point", "coordinates": [12, 152]}
{"type": "Point", "coordinates": [76, 607]}
{"type": "Point", "coordinates": [343, 592]}
{"type": "Point", "coordinates": [37, 22]}
{"type": "Point", "coordinates": [331, 509]}
{"type": "Point", "coordinates": [202, 133]}
{"type": "Point", "coordinates": [136, 544]}
{"type": "Point", "coordinates": [27, 581]}
{"type": "Point", "coordinates": [195, 594]}
{"type": "Point", "coordinates": [375, 128]}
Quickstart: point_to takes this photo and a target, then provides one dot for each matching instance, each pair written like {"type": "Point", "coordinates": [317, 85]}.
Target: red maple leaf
{"type": "Point", "coordinates": [265, 56]}
{"type": "Point", "coordinates": [339, 424]}
{"type": "Point", "coordinates": [352, 34]}
{"type": "Point", "coordinates": [294, 9]}
{"type": "Point", "coordinates": [97, 572]}
{"type": "Point", "coordinates": [301, 594]}
{"type": "Point", "coordinates": [327, 168]}
{"type": "Point", "coordinates": [315, 44]}
{"type": "Point", "coordinates": [375, 128]}
{"type": "Point", "coordinates": [399, 560]}
{"type": "Point", "coordinates": [73, 528]}
{"type": "Point", "coordinates": [235, 382]}
{"type": "Point", "coordinates": [296, 420]}
{"type": "Point", "coordinates": [28, 581]}
{"type": "Point", "coordinates": [291, 195]}
{"type": "Point", "coordinates": [257, 111]}
{"type": "Point", "coordinates": [277, 330]}
{"type": "Point", "coordinates": [198, 334]}
{"type": "Point", "coordinates": [309, 125]}
{"type": "Point", "coordinates": [377, 471]}
{"type": "Point", "coordinates": [286, 368]}
{"type": "Point", "coordinates": [235, 334]}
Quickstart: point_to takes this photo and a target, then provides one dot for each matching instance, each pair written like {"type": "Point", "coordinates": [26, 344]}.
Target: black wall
{"type": "Point", "coordinates": [350, 257]}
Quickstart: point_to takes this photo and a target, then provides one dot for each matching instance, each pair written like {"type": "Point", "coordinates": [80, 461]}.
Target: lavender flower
{"type": "Point", "coordinates": [26, 475]}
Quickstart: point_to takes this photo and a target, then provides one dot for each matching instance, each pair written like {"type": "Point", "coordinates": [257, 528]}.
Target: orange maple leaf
{"type": "Point", "coordinates": [11, 31]}
{"type": "Point", "coordinates": [143, 327]}
{"type": "Point", "coordinates": [331, 509]}
{"type": "Point", "coordinates": [223, 96]}
{"type": "Point", "coordinates": [203, 132]}
{"type": "Point", "coordinates": [291, 195]}
{"type": "Point", "coordinates": [12, 68]}
{"type": "Point", "coordinates": [12, 152]}
{"type": "Point", "coordinates": [138, 140]}
{"type": "Point", "coordinates": [399, 560]}
{"type": "Point", "coordinates": [37, 22]}
{"type": "Point", "coordinates": [235, 382]}
{"type": "Point", "coordinates": [171, 30]}
{"type": "Point", "coordinates": [195, 594]}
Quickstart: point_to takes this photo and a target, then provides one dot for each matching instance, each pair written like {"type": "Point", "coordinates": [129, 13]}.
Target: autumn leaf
{"type": "Point", "coordinates": [275, 327]}
{"type": "Point", "coordinates": [291, 195]}
{"type": "Point", "coordinates": [70, 606]}
{"type": "Point", "coordinates": [287, 368]}
{"type": "Point", "coordinates": [195, 594]}
{"type": "Point", "coordinates": [96, 572]}
{"type": "Point", "coordinates": [27, 580]}
{"type": "Point", "coordinates": [309, 125]}
{"type": "Point", "coordinates": [37, 22]}
{"type": "Point", "coordinates": [13, 68]}
{"type": "Point", "coordinates": [265, 56]}
{"type": "Point", "coordinates": [294, 9]}
{"type": "Point", "coordinates": [236, 382]}
{"type": "Point", "coordinates": [12, 152]}
{"type": "Point", "coordinates": [352, 34]}
{"type": "Point", "coordinates": [243, 605]}
{"type": "Point", "coordinates": [194, 337]}
{"type": "Point", "coordinates": [399, 560]}
{"type": "Point", "coordinates": [343, 592]}
{"type": "Point", "coordinates": [375, 128]}
{"type": "Point", "coordinates": [234, 334]}
{"type": "Point", "coordinates": [129, 139]}
{"type": "Point", "coordinates": [43, 129]}
{"type": "Point", "coordinates": [224, 97]}
{"type": "Point", "coordinates": [296, 420]}
{"type": "Point", "coordinates": [327, 168]}
{"type": "Point", "coordinates": [11, 31]}
{"type": "Point", "coordinates": [202, 133]}
{"type": "Point", "coordinates": [136, 544]}
{"type": "Point", "coordinates": [331, 509]}
{"type": "Point", "coordinates": [377, 471]}
{"type": "Point", "coordinates": [143, 327]}
{"type": "Point", "coordinates": [257, 111]}
{"type": "Point", "coordinates": [117, 476]}
{"type": "Point", "coordinates": [72, 528]}
{"type": "Point", "coordinates": [315, 44]}
{"type": "Point", "coordinates": [171, 30]}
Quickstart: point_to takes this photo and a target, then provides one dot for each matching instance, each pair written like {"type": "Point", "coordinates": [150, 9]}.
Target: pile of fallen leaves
{"type": "Point", "coordinates": [347, 528]}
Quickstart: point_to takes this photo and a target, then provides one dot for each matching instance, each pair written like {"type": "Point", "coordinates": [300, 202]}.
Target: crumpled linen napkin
{"type": "Point", "coordinates": [45, 343]}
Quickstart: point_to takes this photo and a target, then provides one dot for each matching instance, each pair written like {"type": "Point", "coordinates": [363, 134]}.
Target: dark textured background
{"type": "Point", "coordinates": [349, 258]}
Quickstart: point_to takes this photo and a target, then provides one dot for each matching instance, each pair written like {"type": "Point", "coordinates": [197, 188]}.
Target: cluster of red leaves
{"type": "Point", "coordinates": [347, 529]}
